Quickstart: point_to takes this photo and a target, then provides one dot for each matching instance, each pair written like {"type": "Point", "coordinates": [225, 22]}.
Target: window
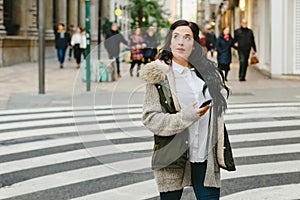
{"type": "Point", "coordinates": [11, 27]}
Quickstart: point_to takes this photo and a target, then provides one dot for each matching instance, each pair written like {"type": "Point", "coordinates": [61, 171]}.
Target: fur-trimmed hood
{"type": "Point", "coordinates": [154, 72]}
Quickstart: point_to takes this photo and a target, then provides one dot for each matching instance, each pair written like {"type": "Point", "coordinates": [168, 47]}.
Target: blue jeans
{"type": "Point", "coordinates": [61, 55]}
{"type": "Point", "coordinates": [118, 64]}
{"type": "Point", "coordinates": [198, 171]}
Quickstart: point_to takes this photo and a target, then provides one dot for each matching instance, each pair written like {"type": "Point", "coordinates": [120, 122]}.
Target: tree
{"type": "Point", "coordinates": [145, 13]}
{"type": "Point", "coordinates": [106, 26]}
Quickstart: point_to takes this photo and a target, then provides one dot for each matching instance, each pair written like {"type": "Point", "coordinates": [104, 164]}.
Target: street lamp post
{"type": "Point", "coordinates": [41, 22]}
{"type": "Point", "coordinates": [88, 44]}
{"type": "Point", "coordinates": [180, 8]}
{"type": "Point", "coordinates": [115, 13]}
{"type": "Point", "coordinates": [118, 13]}
{"type": "Point", "coordinates": [99, 28]}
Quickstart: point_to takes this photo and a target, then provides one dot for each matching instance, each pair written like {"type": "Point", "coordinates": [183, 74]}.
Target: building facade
{"type": "Point", "coordinates": [19, 25]}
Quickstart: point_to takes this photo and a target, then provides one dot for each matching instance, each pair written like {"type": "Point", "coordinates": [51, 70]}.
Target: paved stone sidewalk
{"type": "Point", "coordinates": [19, 87]}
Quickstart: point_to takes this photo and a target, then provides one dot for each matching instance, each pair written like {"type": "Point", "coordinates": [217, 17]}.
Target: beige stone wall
{"type": "Point", "coordinates": [24, 48]}
{"type": "Point", "coordinates": [25, 44]}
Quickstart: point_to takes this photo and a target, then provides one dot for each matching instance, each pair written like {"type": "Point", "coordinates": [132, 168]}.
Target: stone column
{"type": "Point", "coordinates": [2, 28]}
{"type": "Point", "coordinates": [94, 19]}
{"type": "Point", "coordinates": [49, 19]}
{"type": "Point", "coordinates": [81, 14]}
{"type": "Point", "coordinates": [32, 17]}
{"type": "Point", "coordinates": [62, 11]}
{"type": "Point", "coordinates": [73, 8]}
{"type": "Point", "coordinates": [20, 17]}
{"type": "Point", "coordinates": [277, 34]}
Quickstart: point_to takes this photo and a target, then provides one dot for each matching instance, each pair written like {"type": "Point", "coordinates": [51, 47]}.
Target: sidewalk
{"type": "Point", "coordinates": [19, 86]}
{"type": "Point", "coordinates": [64, 87]}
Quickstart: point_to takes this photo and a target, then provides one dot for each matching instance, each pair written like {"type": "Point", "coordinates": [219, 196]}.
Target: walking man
{"type": "Point", "coordinates": [244, 40]}
{"type": "Point", "coordinates": [112, 44]}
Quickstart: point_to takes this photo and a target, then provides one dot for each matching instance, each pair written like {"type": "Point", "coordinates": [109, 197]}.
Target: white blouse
{"type": "Point", "coordinates": [189, 89]}
{"type": "Point", "coordinates": [76, 39]}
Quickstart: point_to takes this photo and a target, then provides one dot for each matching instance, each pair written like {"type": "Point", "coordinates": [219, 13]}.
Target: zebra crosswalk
{"type": "Point", "coordinates": [105, 153]}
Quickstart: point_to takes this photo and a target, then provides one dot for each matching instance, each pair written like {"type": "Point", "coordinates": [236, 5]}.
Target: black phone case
{"type": "Point", "coordinates": [205, 103]}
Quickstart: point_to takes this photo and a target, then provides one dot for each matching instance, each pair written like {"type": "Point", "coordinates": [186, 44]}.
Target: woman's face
{"type": "Point", "coordinates": [138, 31]}
{"type": "Point", "coordinates": [60, 27]}
{"type": "Point", "coordinates": [182, 42]}
{"type": "Point", "coordinates": [226, 31]}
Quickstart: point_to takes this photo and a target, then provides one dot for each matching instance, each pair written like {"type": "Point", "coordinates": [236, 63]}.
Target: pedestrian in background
{"type": "Point", "coordinates": [137, 44]}
{"type": "Point", "coordinates": [210, 39]}
{"type": "Point", "coordinates": [112, 43]}
{"type": "Point", "coordinates": [202, 39]}
{"type": "Point", "coordinates": [83, 43]}
{"type": "Point", "coordinates": [62, 39]}
{"type": "Point", "coordinates": [71, 31]}
{"type": "Point", "coordinates": [75, 42]}
{"type": "Point", "coordinates": [244, 41]}
{"type": "Point", "coordinates": [185, 134]}
{"type": "Point", "coordinates": [151, 45]}
{"type": "Point", "coordinates": [223, 47]}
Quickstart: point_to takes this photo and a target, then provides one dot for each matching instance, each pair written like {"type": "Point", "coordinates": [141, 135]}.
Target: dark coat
{"type": "Point", "coordinates": [210, 39]}
{"type": "Point", "coordinates": [62, 40]}
{"type": "Point", "coordinates": [112, 43]}
{"type": "Point", "coordinates": [223, 48]}
{"type": "Point", "coordinates": [245, 39]}
{"type": "Point", "coordinates": [151, 46]}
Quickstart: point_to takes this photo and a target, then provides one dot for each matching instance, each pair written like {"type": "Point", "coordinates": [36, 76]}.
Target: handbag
{"type": "Point", "coordinates": [254, 60]}
{"type": "Point", "coordinates": [224, 153]}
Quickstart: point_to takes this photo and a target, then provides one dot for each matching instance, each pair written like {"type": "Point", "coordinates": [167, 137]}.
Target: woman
{"type": "Point", "coordinates": [76, 41]}
{"type": "Point", "coordinates": [185, 133]}
{"type": "Point", "coordinates": [83, 43]}
{"type": "Point", "coordinates": [137, 44]}
{"type": "Point", "coordinates": [223, 47]}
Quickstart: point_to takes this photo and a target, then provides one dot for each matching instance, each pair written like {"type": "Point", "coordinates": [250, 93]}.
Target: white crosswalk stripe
{"type": "Point", "coordinates": [105, 153]}
{"type": "Point", "coordinates": [268, 193]}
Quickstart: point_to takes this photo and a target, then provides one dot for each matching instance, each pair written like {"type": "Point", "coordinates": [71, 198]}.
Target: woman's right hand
{"type": "Point", "coordinates": [203, 110]}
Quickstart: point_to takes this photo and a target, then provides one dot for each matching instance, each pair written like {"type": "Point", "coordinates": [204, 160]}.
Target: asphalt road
{"type": "Point", "coordinates": [104, 153]}
{"type": "Point", "coordinates": [73, 144]}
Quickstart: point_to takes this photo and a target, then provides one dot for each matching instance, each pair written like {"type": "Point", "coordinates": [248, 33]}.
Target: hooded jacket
{"type": "Point", "coordinates": [164, 124]}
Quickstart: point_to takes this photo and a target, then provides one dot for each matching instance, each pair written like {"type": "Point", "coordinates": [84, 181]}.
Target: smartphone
{"type": "Point", "coordinates": [205, 103]}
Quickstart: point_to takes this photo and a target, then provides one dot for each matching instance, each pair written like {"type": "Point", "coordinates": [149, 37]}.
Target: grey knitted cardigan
{"type": "Point", "coordinates": [165, 124]}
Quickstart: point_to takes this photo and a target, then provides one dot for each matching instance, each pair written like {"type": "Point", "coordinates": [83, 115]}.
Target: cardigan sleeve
{"type": "Point", "coordinates": [162, 123]}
